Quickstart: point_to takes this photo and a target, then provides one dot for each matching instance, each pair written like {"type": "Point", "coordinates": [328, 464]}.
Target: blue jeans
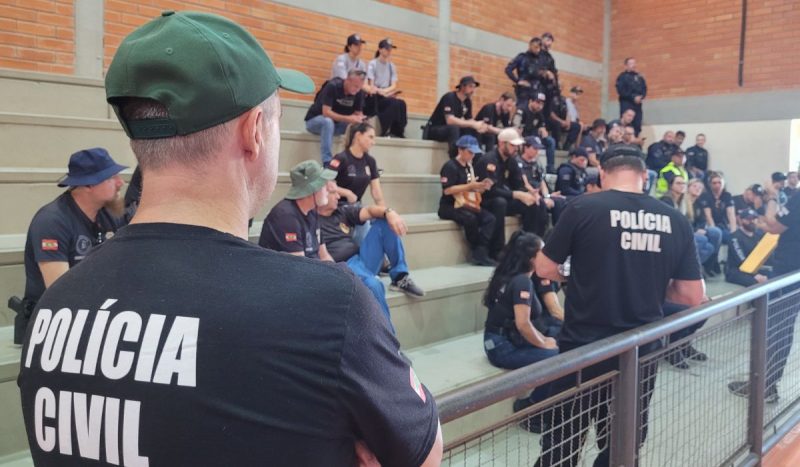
{"type": "Point", "coordinates": [652, 175]}
{"type": "Point", "coordinates": [326, 128]}
{"type": "Point", "coordinates": [707, 244]}
{"type": "Point", "coordinates": [367, 263]}
{"type": "Point", "coordinates": [503, 354]}
{"type": "Point", "coordinates": [550, 152]}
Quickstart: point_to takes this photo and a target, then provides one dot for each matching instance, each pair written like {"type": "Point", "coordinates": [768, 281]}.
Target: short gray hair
{"type": "Point", "coordinates": [191, 149]}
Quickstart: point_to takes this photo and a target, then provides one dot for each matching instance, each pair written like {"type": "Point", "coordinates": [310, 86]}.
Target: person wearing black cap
{"type": "Point", "coordinates": [349, 59]}
{"type": "Point", "coordinates": [497, 115]}
{"type": "Point", "coordinates": [530, 121]}
{"type": "Point", "coordinates": [571, 175]}
{"type": "Point", "coordinates": [525, 174]}
{"type": "Point", "coordinates": [632, 90]}
{"type": "Point", "coordinates": [184, 326]}
{"type": "Point", "coordinates": [382, 76]}
{"type": "Point", "coordinates": [64, 231]}
{"type": "Point", "coordinates": [452, 116]}
{"type": "Point", "coordinates": [459, 204]}
{"type": "Point", "coordinates": [528, 70]}
{"type": "Point", "coordinates": [629, 254]}
{"type": "Point", "coordinates": [779, 184]}
{"type": "Point", "coordinates": [751, 198]}
{"type": "Point", "coordinates": [741, 244]}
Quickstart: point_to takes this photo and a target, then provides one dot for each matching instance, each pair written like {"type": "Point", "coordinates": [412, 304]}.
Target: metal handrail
{"type": "Point", "coordinates": [460, 402]}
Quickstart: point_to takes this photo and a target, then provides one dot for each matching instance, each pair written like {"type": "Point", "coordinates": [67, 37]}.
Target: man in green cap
{"type": "Point", "coordinates": [292, 225]}
{"type": "Point", "coordinates": [180, 343]}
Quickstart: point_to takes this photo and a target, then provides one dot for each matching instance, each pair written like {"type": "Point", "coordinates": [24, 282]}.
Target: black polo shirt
{"type": "Point", "coordinates": [719, 206]}
{"type": "Point", "coordinates": [491, 116]}
{"type": "Point", "coordinates": [287, 229]}
{"type": "Point", "coordinates": [354, 173]}
{"type": "Point", "coordinates": [61, 232]}
{"type": "Point", "coordinates": [518, 167]}
{"type": "Point", "coordinates": [571, 179]}
{"type": "Point", "coordinates": [518, 291]}
{"type": "Point", "coordinates": [450, 104]}
{"type": "Point", "coordinates": [452, 174]}
{"type": "Point", "coordinates": [332, 94]}
{"type": "Point", "coordinates": [492, 166]}
{"type": "Point", "coordinates": [179, 345]}
{"type": "Point", "coordinates": [625, 249]}
{"type": "Point", "coordinates": [530, 121]}
{"type": "Point", "coordinates": [787, 255]}
{"type": "Point", "coordinates": [337, 231]}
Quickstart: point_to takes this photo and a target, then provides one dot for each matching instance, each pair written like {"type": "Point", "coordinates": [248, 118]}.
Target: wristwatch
{"type": "Point", "coordinates": [387, 211]}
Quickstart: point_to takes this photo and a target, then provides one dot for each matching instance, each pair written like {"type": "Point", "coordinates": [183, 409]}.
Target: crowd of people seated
{"type": "Point", "coordinates": [494, 171]}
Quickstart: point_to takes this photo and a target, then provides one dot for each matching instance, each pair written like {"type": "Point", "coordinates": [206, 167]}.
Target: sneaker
{"type": "Point", "coordinates": [693, 354]}
{"type": "Point", "coordinates": [406, 285]}
{"type": "Point", "coordinates": [385, 268]}
{"type": "Point", "coordinates": [677, 360]}
{"type": "Point", "coordinates": [480, 257]}
{"type": "Point", "coordinates": [742, 389]}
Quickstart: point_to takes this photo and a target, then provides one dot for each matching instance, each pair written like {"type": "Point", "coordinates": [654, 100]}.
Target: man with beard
{"type": "Point", "coordinates": [452, 116]}
{"type": "Point", "coordinates": [742, 243]}
{"type": "Point", "coordinates": [63, 231]}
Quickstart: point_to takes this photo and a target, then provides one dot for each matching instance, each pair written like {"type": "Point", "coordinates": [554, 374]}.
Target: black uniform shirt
{"type": "Point", "coordinates": [211, 351]}
{"type": "Point", "coordinates": [625, 249]}
{"type": "Point", "coordinates": [61, 232]}
{"type": "Point", "coordinates": [659, 155]}
{"type": "Point", "coordinates": [718, 207]}
{"type": "Point", "coordinates": [518, 167]}
{"type": "Point", "coordinates": [354, 173]}
{"type": "Point", "coordinates": [492, 166]}
{"type": "Point", "coordinates": [518, 291]}
{"type": "Point", "coordinates": [337, 230]}
{"type": "Point", "coordinates": [740, 247]}
{"type": "Point", "coordinates": [787, 255]}
{"type": "Point", "coordinates": [287, 229]}
{"type": "Point", "coordinates": [529, 121]}
{"type": "Point", "coordinates": [490, 116]}
{"type": "Point", "coordinates": [697, 157]}
{"type": "Point", "coordinates": [333, 95]}
{"type": "Point", "coordinates": [571, 179]}
{"type": "Point", "coordinates": [452, 174]}
{"type": "Point", "coordinates": [631, 84]}
{"type": "Point", "coordinates": [450, 104]}
{"type": "Point", "coordinates": [526, 66]}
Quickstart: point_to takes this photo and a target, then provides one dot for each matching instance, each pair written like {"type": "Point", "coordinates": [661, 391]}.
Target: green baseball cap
{"type": "Point", "coordinates": [205, 69]}
{"type": "Point", "coordinates": [308, 177]}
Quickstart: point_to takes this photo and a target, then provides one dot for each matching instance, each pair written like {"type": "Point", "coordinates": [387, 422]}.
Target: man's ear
{"type": "Point", "coordinates": [251, 132]}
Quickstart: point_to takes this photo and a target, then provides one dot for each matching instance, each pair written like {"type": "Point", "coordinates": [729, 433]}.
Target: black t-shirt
{"type": "Point", "coordinates": [697, 157]}
{"type": "Point", "coordinates": [570, 180]}
{"type": "Point", "coordinates": [287, 229]}
{"type": "Point", "coordinates": [740, 247]}
{"type": "Point", "coordinates": [625, 249]}
{"type": "Point", "coordinates": [337, 231]}
{"type": "Point", "coordinates": [529, 121]}
{"type": "Point", "coordinates": [452, 173]}
{"type": "Point", "coordinates": [719, 206]}
{"type": "Point", "coordinates": [787, 255]}
{"type": "Point", "coordinates": [333, 95]}
{"type": "Point", "coordinates": [61, 232]}
{"type": "Point", "coordinates": [517, 167]}
{"type": "Point", "coordinates": [492, 166]}
{"type": "Point", "coordinates": [450, 104]}
{"type": "Point", "coordinates": [354, 173]}
{"type": "Point", "coordinates": [489, 115]}
{"type": "Point", "coordinates": [211, 351]}
{"type": "Point", "coordinates": [518, 291]}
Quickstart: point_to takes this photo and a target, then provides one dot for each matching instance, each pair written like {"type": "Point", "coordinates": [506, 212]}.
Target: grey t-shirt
{"type": "Point", "coordinates": [343, 64]}
{"type": "Point", "coordinates": [382, 74]}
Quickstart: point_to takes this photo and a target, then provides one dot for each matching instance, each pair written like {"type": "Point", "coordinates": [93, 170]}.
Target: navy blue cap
{"type": "Point", "coordinates": [534, 142]}
{"type": "Point", "coordinates": [747, 213]}
{"type": "Point", "coordinates": [579, 152]}
{"type": "Point", "coordinates": [90, 167]}
{"type": "Point", "coordinates": [469, 142]}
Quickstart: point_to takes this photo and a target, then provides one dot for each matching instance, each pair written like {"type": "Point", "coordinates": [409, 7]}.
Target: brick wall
{"type": "Point", "coordinates": [428, 7]}
{"type": "Point", "coordinates": [37, 35]}
{"type": "Point", "coordinates": [687, 48]}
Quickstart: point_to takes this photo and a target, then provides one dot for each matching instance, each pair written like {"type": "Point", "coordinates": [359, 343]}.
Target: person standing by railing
{"type": "Point", "coordinates": [629, 254]}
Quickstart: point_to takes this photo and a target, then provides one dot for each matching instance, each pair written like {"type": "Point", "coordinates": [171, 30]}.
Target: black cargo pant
{"type": "Point", "coordinates": [478, 227]}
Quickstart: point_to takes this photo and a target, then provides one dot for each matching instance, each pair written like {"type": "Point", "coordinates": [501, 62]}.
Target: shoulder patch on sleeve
{"type": "Point", "coordinates": [444, 179]}
{"type": "Point", "coordinates": [525, 295]}
{"type": "Point", "coordinates": [447, 108]}
{"type": "Point", "coordinates": [290, 237]}
{"type": "Point", "coordinates": [49, 244]}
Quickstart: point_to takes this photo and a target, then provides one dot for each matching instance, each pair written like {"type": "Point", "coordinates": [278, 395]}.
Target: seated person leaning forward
{"type": "Point", "coordinates": [460, 200]}
{"type": "Point", "coordinates": [741, 244]}
{"type": "Point", "coordinates": [452, 117]}
{"type": "Point", "coordinates": [337, 226]}
{"type": "Point", "coordinates": [515, 324]}
{"type": "Point", "coordinates": [292, 225]}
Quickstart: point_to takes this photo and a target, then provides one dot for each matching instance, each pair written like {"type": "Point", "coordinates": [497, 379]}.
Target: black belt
{"type": "Point", "coordinates": [497, 330]}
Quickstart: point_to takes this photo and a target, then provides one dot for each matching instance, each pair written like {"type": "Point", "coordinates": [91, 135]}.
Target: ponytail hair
{"type": "Point", "coordinates": [515, 259]}
{"type": "Point", "coordinates": [360, 128]}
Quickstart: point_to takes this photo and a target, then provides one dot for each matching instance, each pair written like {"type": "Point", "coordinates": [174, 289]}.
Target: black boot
{"type": "Point", "coordinates": [480, 257]}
